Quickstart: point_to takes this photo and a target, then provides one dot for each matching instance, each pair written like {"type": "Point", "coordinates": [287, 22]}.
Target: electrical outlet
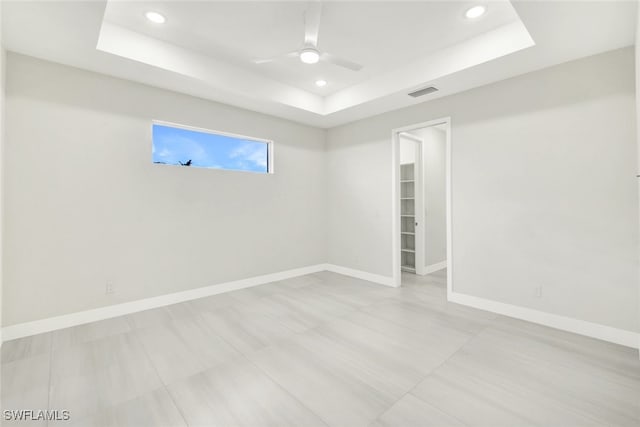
{"type": "Point", "coordinates": [538, 291]}
{"type": "Point", "coordinates": [110, 288]}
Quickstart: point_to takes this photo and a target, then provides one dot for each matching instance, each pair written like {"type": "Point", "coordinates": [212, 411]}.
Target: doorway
{"type": "Point", "coordinates": [412, 210]}
{"type": "Point", "coordinates": [422, 201]}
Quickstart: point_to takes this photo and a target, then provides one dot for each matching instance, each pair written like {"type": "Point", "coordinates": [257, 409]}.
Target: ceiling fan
{"type": "Point", "coordinates": [309, 53]}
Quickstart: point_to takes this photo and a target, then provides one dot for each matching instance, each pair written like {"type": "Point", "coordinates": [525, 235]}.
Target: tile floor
{"type": "Point", "coordinates": [322, 350]}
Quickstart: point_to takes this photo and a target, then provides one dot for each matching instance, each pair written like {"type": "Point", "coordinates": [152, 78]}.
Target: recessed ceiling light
{"type": "Point", "coordinates": [156, 17]}
{"type": "Point", "coordinates": [309, 55]}
{"type": "Point", "coordinates": [475, 12]}
{"type": "Point", "coordinates": [321, 83]}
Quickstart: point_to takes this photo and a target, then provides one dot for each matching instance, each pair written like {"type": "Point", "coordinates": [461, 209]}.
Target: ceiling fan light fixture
{"type": "Point", "coordinates": [155, 17]}
{"type": "Point", "coordinates": [475, 12]}
{"type": "Point", "coordinates": [309, 55]}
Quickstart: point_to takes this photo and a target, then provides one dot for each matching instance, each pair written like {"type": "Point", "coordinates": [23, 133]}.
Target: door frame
{"type": "Point", "coordinates": [395, 198]}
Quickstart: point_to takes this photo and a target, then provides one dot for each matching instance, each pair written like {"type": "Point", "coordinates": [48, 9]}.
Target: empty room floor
{"type": "Point", "coordinates": [323, 349]}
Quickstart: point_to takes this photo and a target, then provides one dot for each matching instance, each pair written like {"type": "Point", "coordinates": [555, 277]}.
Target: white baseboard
{"type": "Point", "coordinates": [435, 267]}
{"type": "Point", "coordinates": [359, 274]}
{"type": "Point", "coordinates": [65, 321]}
{"type": "Point", "coordinates": [594, 330]}
{"type": "Point", "coordinates": [582, 327]}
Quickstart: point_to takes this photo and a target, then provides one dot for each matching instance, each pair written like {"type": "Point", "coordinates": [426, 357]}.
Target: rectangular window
{"type": "Point", "coordinates": [184, 146]}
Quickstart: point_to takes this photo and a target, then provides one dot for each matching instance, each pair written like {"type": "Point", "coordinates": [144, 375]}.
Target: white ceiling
{"type": "Point", "coordinates": [380, 35]}
{"type": "Point", "coordinates": [207, 48]}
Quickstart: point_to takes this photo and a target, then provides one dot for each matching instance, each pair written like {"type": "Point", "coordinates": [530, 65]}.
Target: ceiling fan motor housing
{"type": "Point", "coordinates": [309, 55]}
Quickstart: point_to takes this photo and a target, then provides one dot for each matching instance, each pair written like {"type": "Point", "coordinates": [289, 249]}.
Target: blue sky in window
{"type": "Point", "coordinates": [173, 146]}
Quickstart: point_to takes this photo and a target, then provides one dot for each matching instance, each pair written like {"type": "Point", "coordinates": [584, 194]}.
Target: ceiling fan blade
{"type": "Point", "coordinates": [312, 23]}
{"type": "Point", "coordinates": [263, 61]}
{"type": "Point", "coordinates": [259, 61]}
{"type": "Point", "coordinates": [340, 62]}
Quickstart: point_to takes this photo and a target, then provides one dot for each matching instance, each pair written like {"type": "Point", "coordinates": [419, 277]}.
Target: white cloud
{"type": "Point", "coordinates": [254, 153]}
{"type": "Point", "coordinates": [164, 153]}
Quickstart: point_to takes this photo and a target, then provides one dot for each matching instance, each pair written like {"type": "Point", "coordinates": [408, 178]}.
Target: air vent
{"type": "Point", "coordinates": [425, 91]}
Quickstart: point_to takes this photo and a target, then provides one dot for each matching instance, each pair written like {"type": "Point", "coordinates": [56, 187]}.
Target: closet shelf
{"type": "Point", "coordinates": [408, 238]}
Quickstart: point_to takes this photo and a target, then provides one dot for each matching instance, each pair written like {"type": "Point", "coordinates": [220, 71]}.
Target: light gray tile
{"type": "Point", "coordinates": [414, 358]}
{"type": "Point", "coordinates": [474, 406]}
{"type": "Point", "coordinates": [211, 303]}
{"type": "Point", "coordinates": [391, 372]}
{"type": "Point", "coordinates": [244, 296]}
{"type": "Point", "coordinates": [355, 292]}
{"type": "Point", "coordinates": [161, 315]}
{"type": "Point", "coordinates": [432, 339]}
{"type": "Point", "coordinates": [287, 311]}
{"type": "Point", "coordinates": [437, 280]}
{"type": "Point", "coordinates": [89, 377]}
{"type": "Point", "coordinates": [339, 398]}
{"type": "Point", "coordinates": [184, 347]}
{"type": "Point", "coordinates": [22, 348]}
{"type": "Point", "coordinates": [245, 331]}
{"type": "Point", "coordinates": [523, 365]}
{"type": "Point", "coordinates": [238, 394]}
{"type": "Point", "coordinates": [90, 332]}
{"type": "Point", "coordinates": [25, 386]}
{"type": "Point", "coordinates": [623, 360]}
{"type": "Point", "coordinates": [78, 394]}
{"type": "Point", "coordinates": [323, 276]}
{"type": "Point", "coordinates": [151, 409]}
{"type": "Point", "coordinates": [302, 281]}
{"type": "Point", "coordinates": [314, 301]}
{"type": "Point", "coordinates": [413, 412]}
{"type": "Point", "coordinates": [252, 293]}
{"type": "Point", "coordinates": [90, 357]}
{"type": "Point", "coordinates": [324, 348]}
{"type": "Point", "coordinates": [417, 316]}
{"type": "Point", "coordinates": [507, 379]}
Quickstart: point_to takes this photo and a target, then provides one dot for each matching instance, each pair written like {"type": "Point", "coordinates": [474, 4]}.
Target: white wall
{"type": "Point", "coordinates": [2, 132]}
{"type": "Point", "coordinates": [407, 150]}
{"type": "Point", "coordinates": [637, 64]}
{"type": "Point", "coordinates": [85, 205]}
{"type": "Point", "coordinates": [543, 175]}
{"type": "Point", "coordinates": [544, 190]}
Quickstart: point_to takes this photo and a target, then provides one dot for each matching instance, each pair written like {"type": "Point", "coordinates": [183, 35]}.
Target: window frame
{"type": "Point", "coordinates": [269, 142]}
